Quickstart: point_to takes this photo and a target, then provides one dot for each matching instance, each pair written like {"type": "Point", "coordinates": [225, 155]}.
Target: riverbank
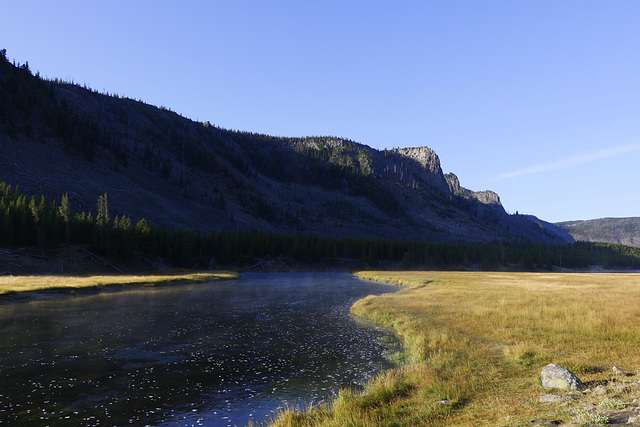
{"type": "Point", "coordinates": [19, 287]}
{"type": "Point", "coordinates": [475, 343]}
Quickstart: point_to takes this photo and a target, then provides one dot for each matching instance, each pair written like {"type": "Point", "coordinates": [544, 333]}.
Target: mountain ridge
{"type": "Point", "coordinates": [625, 231]}
{"type": "Point", "coordinates": [153, 163]}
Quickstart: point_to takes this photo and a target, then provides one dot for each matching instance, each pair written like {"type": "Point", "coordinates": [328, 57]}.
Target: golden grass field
{"type": "Point", "coordinates": [13, 284]}
{"type": "Point", "coordinates": [475, 342]}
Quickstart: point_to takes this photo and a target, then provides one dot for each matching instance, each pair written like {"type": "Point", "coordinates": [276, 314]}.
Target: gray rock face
{"type": "Point", "coordinates": [421, 163]}
{"type": "Point", "coordinates": [425, 156]}
{"type": "Point", "coordinates": [555, 376]}
{"type": "Point", "coordinates": [487, 197]}
{"type": "Point", "coordinates": [453, 182]}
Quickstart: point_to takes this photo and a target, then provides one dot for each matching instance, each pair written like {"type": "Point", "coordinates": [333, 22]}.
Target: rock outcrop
{"type": "Point", "coordinates": [426, 157]}
{"type": "Point", "coordinates": [486, 197]}
{"type": "Point", "coordinates": [555, 376]}
{"type": "Point", "coordinates": [422, 164]}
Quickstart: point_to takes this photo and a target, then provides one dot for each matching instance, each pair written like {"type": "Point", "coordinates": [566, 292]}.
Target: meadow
{"type": "Point", "coordinates": [475, 342]}
{"type": "Point", "coordinates": [12, 285]}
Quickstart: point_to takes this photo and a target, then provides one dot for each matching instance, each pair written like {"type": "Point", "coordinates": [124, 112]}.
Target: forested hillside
{"type": "Point", "coordinates": [43, 224]}
{"type": "Point", "coordinates": [625, 231]}
{"type": "Point", "coordinates": [59, 138]}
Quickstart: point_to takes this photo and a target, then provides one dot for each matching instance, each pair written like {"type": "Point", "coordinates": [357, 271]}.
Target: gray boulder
{"type": "Point", "coordinates": [555, 376]}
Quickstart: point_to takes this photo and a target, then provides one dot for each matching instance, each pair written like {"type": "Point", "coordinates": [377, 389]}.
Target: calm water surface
{"type": "Point", "coordinates": [223, 353]}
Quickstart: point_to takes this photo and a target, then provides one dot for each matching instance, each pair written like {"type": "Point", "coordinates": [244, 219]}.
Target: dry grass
{"type": "Point", "coordinates": [476, 342]}
{"type": "Point", "coordinates": [13, 284]}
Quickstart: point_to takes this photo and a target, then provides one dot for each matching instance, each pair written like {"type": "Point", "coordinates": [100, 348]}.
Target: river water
{"type": "Point", "coordinates": [213, 354]}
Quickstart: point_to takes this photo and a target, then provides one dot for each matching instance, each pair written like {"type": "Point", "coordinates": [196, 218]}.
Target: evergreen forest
{"type": "Point", "coordinates": [38, 222]}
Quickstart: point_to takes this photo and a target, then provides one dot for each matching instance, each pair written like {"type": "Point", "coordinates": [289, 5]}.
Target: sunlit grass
{"type": "Point", "coordinates": [475, 344]}
{"type": "Point", "coordinates": [12, 284]}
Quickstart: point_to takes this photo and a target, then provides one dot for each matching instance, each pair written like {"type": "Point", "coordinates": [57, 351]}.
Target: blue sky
{"type": "Point", "coordinates": [536, 100]}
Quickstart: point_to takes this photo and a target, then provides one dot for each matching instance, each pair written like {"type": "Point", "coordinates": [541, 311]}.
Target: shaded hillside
{"type": "Point", "coordinates": [40, 236]}
{"type": "Point", "coordinates": [624, 231]}
{"type": "Point", "coordinates": [62, 138]}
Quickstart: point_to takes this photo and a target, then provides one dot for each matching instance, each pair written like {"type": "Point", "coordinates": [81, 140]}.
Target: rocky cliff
{"type": "Point", "coordinates": [486, 197]}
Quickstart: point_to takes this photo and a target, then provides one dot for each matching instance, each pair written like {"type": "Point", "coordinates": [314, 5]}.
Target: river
{"type": "Point", "coordinates": [213, 354]}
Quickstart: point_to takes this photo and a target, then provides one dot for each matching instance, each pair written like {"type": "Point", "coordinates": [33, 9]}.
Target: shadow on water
{"type": "Point", "coordinates": [222, 353]}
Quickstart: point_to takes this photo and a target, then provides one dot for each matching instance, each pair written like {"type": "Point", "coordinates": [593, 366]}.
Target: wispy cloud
{"type": "Point", "coordinates": [569, 161]}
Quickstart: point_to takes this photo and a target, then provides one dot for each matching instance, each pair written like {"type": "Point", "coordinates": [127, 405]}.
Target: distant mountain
{"type": "Point", "coordinates": [624, 231]}
{"type": "Point", "coordinates": [58, 138]}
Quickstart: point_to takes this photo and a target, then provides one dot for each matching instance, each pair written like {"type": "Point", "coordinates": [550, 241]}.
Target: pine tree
{"type": "Point", "coordinates": [125, 223]}
{"type": "Point", "coordinates": [143, 236]}
{"type": "Point", "coordinates": [65, 212]}
{"type": "Point", "coordinates": [103, 216]}
{"type": "Point", "coordinates": [37, 213]}
{"type": "Point", "coordinates": [6, 228]}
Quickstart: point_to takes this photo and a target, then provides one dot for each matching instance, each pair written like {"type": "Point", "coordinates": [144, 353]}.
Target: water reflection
{"type": "Point", "coordinates": [207, 354]}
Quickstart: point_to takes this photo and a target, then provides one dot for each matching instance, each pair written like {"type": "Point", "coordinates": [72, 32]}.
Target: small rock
{"type": "Point", "coordinates": [553, 398]}
{"type": "Point", "coordinates": [575, 393]}
{"type": "Point", "coordinates": [555, 376]}
{"type": "Point", "coordinates": [633, 419]}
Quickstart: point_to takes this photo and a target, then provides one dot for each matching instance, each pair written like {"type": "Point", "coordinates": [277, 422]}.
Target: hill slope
{"type": "Point", "coordinates": [624, 231]}
{"type": "Point", "coordinates": [62, 138]}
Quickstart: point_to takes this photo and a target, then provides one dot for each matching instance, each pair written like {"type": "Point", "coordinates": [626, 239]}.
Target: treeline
{"type": "Point", "coordinates": [37, 222]}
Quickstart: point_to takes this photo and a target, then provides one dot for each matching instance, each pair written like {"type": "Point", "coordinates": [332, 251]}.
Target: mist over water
{"type": "Point", "coordinates": [222, 353]}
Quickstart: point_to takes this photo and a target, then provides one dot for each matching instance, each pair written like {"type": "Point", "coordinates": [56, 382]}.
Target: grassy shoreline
{"type": "Point", "coordinates": [11, 286]}
{"type": "Point", "coordinates": [475, 342]}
